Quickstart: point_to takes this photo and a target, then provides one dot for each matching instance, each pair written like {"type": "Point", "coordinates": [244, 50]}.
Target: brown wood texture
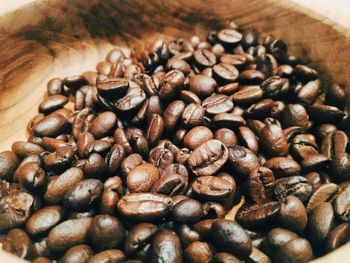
{"type": "Point", "coordinates": [44, 39]}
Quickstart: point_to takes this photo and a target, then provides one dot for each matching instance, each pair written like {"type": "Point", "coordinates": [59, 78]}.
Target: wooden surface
{"type": "Point", "coordinates": [44, 39]}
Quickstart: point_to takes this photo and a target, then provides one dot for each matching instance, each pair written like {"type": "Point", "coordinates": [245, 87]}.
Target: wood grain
{"type": "Point", "coordinates": [44, 39]}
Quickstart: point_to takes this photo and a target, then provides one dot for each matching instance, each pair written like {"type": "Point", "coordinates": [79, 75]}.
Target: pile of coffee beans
{"type": "Point", "coordinates": [142, 160]}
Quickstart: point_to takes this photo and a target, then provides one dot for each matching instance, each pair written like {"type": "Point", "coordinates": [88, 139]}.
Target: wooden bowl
{"type": "Point", "coordinates": [45, 39]}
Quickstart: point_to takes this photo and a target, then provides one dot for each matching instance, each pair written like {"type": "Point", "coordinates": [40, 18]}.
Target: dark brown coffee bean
{"type": "Point", "coordinates": [283, 166]}
{"type": "Point", "coordinates": [202, 85]}
{"type": "Point", "coordinates": [248, 139]}
{"type": "Point", "coordinates": [231, 237]}
{"type": "Point", "coordinates": [228, 120]}
{"type": "Point", "coordinates": [188, 211]}
{"type": "Point", "coordinates": [190, 97]}
{"type": "Point", "coordinates": [41, 260]}
{"type": "Point", "coordinates": [217, 103]}
{"type": "Point", "coordinates": [224, 257]}
{"type": "Point", "coordinates": [52, 144]}
{"type": "Point", "coordinates": [193, 115]}
{"type": "Point", "coordinates": [23, 149]}
{"type": "Point", "coordinates": [103, 124]}
{"type": "Point", "coordinates": [309, 92]}
{"type": "Point", "coordinates": [197, 136]}
{"type": "Point", "coordinates": [8, 164]}
{"type": "Point", "coordinates": [166, 247]}
{"type": "Point", "coordinates": [225, 73]}
{"type": "Point", "coordinates": [161, 157]}
{"type": "Point", "coordinates": [132, 100]}
{"type": "Point", "coordinates": [242, 160]}
{"type": "Point", "coordinates": [337, 237]}
{"type": "Point", "coordinates": [106, 232]}
{"type": "Point", "coordinates": [144, 206]}
{"type": "Point", "coordinates": [58, 187]}
{"type": "Point", "coordinates": [112, 192]}
{"type": "Point", "coordinates": [212, 188]}
{"type": "Point", "coordinates": [251, 77]}
{"type": "Point", "coordinates": [304, 73]}
{"type": "Point", "coordinates": [278, 237]}
{"type": "Point", "coordinates": [171, 184]}
{"type": "Point", "coordinates": [112, 88]}
{"type": "Point", "coordinates": [273, 141]}
{"type": "Point", "coordinates": [142, 178]}
{"type": "Point", "coordinates": [214, 210]}
{"type": "Point", "coordinates": [75, 82]}
{"type": "Point", "coordinates": [17, 207]}
{"type": "Point", "coordinates": [261, 183]}
{"type": "Point", "coordinates": [226, 136]}
{"type": "Point", "coordinates": [93, 167]}
{"type": "Point", "coordinates": [199, 252]}
{"type": "Point", "coordinates": [325, 113]}
{"type": "Point", "coordinates": [59, 160]}
{"type": "Point", "coordinates": [109, 255]}
{"type": "Point", "coordinates": [292, 214]}
{"type": "Point", "coordinates": [204, 58]}
{"type": "Point", "coordinates": [237, 60]}
{"type": "Point", "coordinates": [68, 233]}
{"type": "Point", "coordinates": [130, 162]}
{"type": "Point", "coordinates": [54, 86]}
{"type": "Point", "coordinates": [208, 158]}
{"type": "Point", "coordinates": [155, 129]}
{"type": "Point", "coordinates": [295, 115]}
{"type": "Point", "coordinates": [83, 194]}
{"type": "Point", "coordinates": [341, 204]}
{"type": "Point", "coordinates": [260, 109]}
{"type": "Point", "coordinates": [228, 89]}
{"type": "Point", "coordinates": [79, 253]}
{"type": "Point", "coordinates": [258, 215]}
{"type": "Point", "coordinates": [44, 219]}
{"type": "Point", "coordinates": [178, 64]}
{"type": "Point", "coordinates": [275, 86]}
{"type": "Point", "coordinates": [50, 126]}
{"type": "Point", "coordinates": [31, 176]}
{"type": "Point", "coordinates": [296, 250]}
{"type": "Point", "coordinates": [17, 242]}
{"type": "Point", "coordinates": [298, 186]}
{"type": "Point", "coordinates": [52, 103]}
{"type": "Point", "coordinates": [247, 95]}
{"type": "Point", "coordinates": [172, 114]}
{"type": "Point", "coordinates": [229, 36]}
{"type": "Point", "coordinates": [172, 83]}
{"type": "Point", "coordinates": [325, 193]}
{"type": "Point", "coordinates": [115, 158]}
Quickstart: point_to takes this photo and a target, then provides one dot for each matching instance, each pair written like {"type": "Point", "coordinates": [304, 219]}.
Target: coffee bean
{"type": "Point", "coordinates": [304, 73]}
{"type": "Point", "coordinates": [325, 113]}
{"type": "Point", "coordinates": [171, 184]}
{"type": "Point", "coordinates": [166, 247]}
{"type": "Point", "coordinates": [247, 95]}
{"type": "Point", "coordinates": [229, 36]}
{"type": "Point", "coordinates": [292, 214]}
{"type": "Point", "coordinates": [226, 136]}
{"type": "Point", "coordinates": [50, 126]}
{"type": "Point", "coordinates": [144, 206]}
{"type": "Point", "coordinates": [297, 186]}
{"type": "Point", "coordinates": [75, 82]}
{"type": "Point", "coordinates": [54, 86]}
{"type": "Point", "coordinates": [341, 204]}
{"type": "Point", "coordinates": [199, 252]}
{"type": "Point", "coordinates": [8, 164]}
{"type": "Point", "coordinates": [225, 73]}
{"type": "Point", "coordinates": [23, 149]}
{"type": "Point", "coordinates": [231, 237]}
{"type": "Point", "coordinates": [273, 140]}
{"type": "Point", "coordinates": [132, 100]}
{"type": "Point", "coordinates": [204, 58]}
{"type": "Point", "coordinates": [212, 187]}
{"type": "Point", "coordinates": [283, 166]}
{"type": "Point", "coordinates": [79, 253]}
{"type": "Point", "coordinates": [161, 157]}
{"type": "Point", "coordinates": [18, 243]}
{"type": "Point", "coordinates": [242, 160]}
{"type": "Point", "coordinates": [296, 250]}
{"type": "Point", "coordinates": [295, 115]}
{"type": "Point", "coordinates": [68, 233]}
{"type": "Point", "coordinates": [208, 158]}
{"type": "Point", "coordinates": [217, 103]}
{"type": "Point", "coordinates": [260, 184]}
{"type": "Point", "coordinates": [172, 83]}
{"type": "Point", "coordinates": [228, 120]}
{"type": "Point", "coordinates": [193, 115]}
{"type": "Point", "coordinates": [142, 178]}
{"type": "Point", "coordinates": [60, 159]}
{"type": "Point", "coordinates": [188, 211]}
{"type": "Point", "coordinates": [224, 257]}
{"type": "Point", "coordinates": [155, 129]}
{"type": "Point", "coordinates": [337, 237]}
{"type": "Point", "coordinates": [251, 77]}
{"type": "Point", "coordinates": [109, 255]}
{"type": "Point", "coordinates": [197, 136]}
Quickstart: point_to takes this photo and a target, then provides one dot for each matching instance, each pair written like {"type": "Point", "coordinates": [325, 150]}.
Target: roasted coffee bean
{"type": "Point", "coordinates": [229, 36]}
{"type": "Point", "coordinates": [142, 178]}
{"type": "Point", "coordinates": [213, 210]}
{"type": "Point", "coordinates": [41, 260]}
{"type": "Point", "coordinates": [69, 233]}
{"type": "Point", "coordinates": [16, 208]}
{"type": "Point", "coordinates": [260, 109]}
{"type": "Point", "coordinates": [144, 206]}
{"type": "Point", "coordinates": [112, 191]}
{"type": "Point", "coordinates": [208, 158]}
{"type": "Point", "coordinates": [75, 82]}
{"type": "Point", "coordinates": [247, 95]}
{"type": "Point", "coordinates": [337, 237]}
{"type": "Point", "coordinates": [112, 88]}
{"type": "Point", "coordinates": [226, 136]}
{"type": "Point", "coordinates": [171, 184]}
{"type": "Point", "coordinates": [325, 113]}
{"type": "Point", "coordinates": [202, 85]}
{"type": "Point", "coordinates": [155, 129]}
{"type": "Point", "coordinates": [295, 115]}
{"type": "Point", "coordinates": [248, 139]}
{"type": "Point", "coordinates": [217, 103]}
{"type": "Point", "coordinates": [283, 166]}
{"type": "Point", "coordinates": [115, 158]}
{"type": "Point", "coordinates": [54, 86]}
{"type": "Point", "coordinates": [225, 72]}
{"type": "Point", "coordinates": [172, 114]}
{"type": "Point", "coordinates": [8, 164]}
{"type": "Point", "coordinates": [275, 86]}
{"type": "Point", "coordinates": [17, 242]}
{"type": "Point", "coordinates": [58, 187]}
{"type": "Point", "coordinates": [224, 257]}
{"type": "Point", "coordinates": [190, 97]}
{"type": "Point", "coordinates": [23, 149]}
{"type": "Point", "coordinates": [130, 162]}
{"type": "Point", "coordinates": [166, 247]}
{"type": "Point", "coordinates": [193, 115]}
{"type": "Point", "coordinates": [132, 100]}
{"type": "Point", "coordinates": [292, 214]}
{"type": "Point", "coordinates": [79, 253]}
{"type": "Point", "coordinates": [260, 185]}
{"type": "Point", "coordinates": [43, 220]}
{"type": "Point", "coordinates": [172, 83]}
{"type": "Point", "coordinates": [204, 58]}
{"type": "Point", "coordinates": [103, 124]}
{"type": "Point", "coordinates": [341, 204]}
{"type": "Point", "coordinates": [242, 160]}
{"type": "Point", "coordinates": [83, 194]}
{"type": "Point", "coordinates": [278, 237]}
{"type": "Point", "coordinates": [304, 73]}
{"type": "Point", "coordinates": [50, 126]}
{"type": "Point", "coordinates": [197, 136]}
{"type": "Point", "coordinates": [60, 159]}
{"type": "Point", "coordinates": [178, 64]}
{"type": "Point", "coordinates": [188, 211]}
{"type": "Point", "coordinates": [187, 235]}
{"type": "Point", "coordinates": [212, 188]}
{"type": "Point", "coordinates": [273, 141]}
{"type": "Point", "coordinates": [106, 232]}
{"type": "Point", "coordinates": [161, 157]}
{"type": "Point", "coordinates": [297, 186]}
{"type": "Point", "coordinates": [93, 167]}
{"type": "Point", "coordinates": [109, 255]}
{"type": "Point", "coordinates": [296, 250]}
{"type": "Point", "coordinates": [257, 216]}
{"type": "Point", "coordinates": [231, 237]}
{"type": "Point", "coordinates": [199, 252]}
{"type": "Point", "coordinates": [228, 120]}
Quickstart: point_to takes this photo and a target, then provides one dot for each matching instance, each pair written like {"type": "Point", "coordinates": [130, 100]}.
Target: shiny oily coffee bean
{"type": "Point", "coordinates": [187, 235]}
{"type": "Point", "coordinates": [273, 141]}
{"type": "Point", "coordinates": [229, 37]}
{"type": "Point", "coordinates": [248, 139]}
{"type": "Point", "coordinates": [106, 232]}
{"type": "Point", "coordinates": [260, 109]}
{"type": "Point", "coordinates": [171, 184]}
{"type": "Point", "coordinates": [225, 73]}
{"type": "Point", "coordinates": [193, 115]}
{"type": "Point", "coordinates": [260, 184]}
{"type": "Point", "coordinates": [283, 167]}
{"type": "Point", "coordinates": [295, 250]}
{"type": "Point", "coordinates": [67, 234]}
{"type": "Point", "coordinates": [144, 206]}
{"type": "Point", "coordinates": [161, 157]}
{"type": "Point", "coordinates": [109, 255]}
{"type": "Point", "coordinates": [190, 97]}
{"type": "Point", "coordinates": [217, 103]}
{"type": "Point", "coordinates": [228, 120]}
{"type": "Point", "coordinates": [23, 149]}
{"type": "Point", "coordinates": [304, 73]}
{"type": "Point", "coordinates": [8, 164]}
{"type": "Point", "coordinates": [112, 88]}
{"type": "Point", "coordinates": [292, 214]}
{"type": "Point", "coordinates": [50, 126]}
{"type": "Point", "coordinates": [44, 220]}
{"type": "Point", "coordinates": [112, 191]}
{"type": "Point", "coordinates": [242, 160]}
{"type": "Point", "coordinates": [166, 247]}
{"type": "Point", "coordinates": [208, 158]}
{"type": "Point", "coordinates": [337, 237]}
{"type": "Point", "coordinates": [155, 129]}
{"type": "Point", "coordinates": [199, 252]}
{"type": "Point", "coordinates": [341, 204]}
{"type": "Point", "coordinates": [212, 188]}
{"type": "Point", "coordinates": [204, 58]}
{"type": "Point", "coordinates": [325, 193]}
{"type": "Point", "coordinates": [295, 115]}
{"type": "Point", "coordinates": [54, 86]}
{"type": "Point", "coordinates": [224, 257]}
{"type": "Point", "coordinates": [202, 85]}
{"type": "Point", "coordinates": [31, 176]}
{"type": "Point", "coordinates": [103, 124]}
{"type": "Point", "coordinates": [17, 242]}
{"type": "Point", "coordinates": [297, 186]}
{"type": "Point", "coordinates": [115, 158]}
{"type": "Point", "coordinates": [257, 216]}
{"type": "Point", "coordinates": [52, 103]}
{"type": "Point", "coordinates": [132, 100]}
{"type": "Point", "coordinates": [130, 162]}
{"type": "Point", "coordinates": [142, 178]}
{"type": "Point", "coordinates": [83, 194]}
{"type": "Point", "coordinates": [75, 82]}
{"type": "Point", "coordinates": [197, 136]}
{"type": "Point", "coordinates": [79, 253]}
{"type": "Point", "coordinates": [59, 160]}
{"type": "Point", "coordinates": [247, 95]}
{"type": "Point", "coordinates": [188, 211]}
{"type": "Point", "coordinates": [226, 136]}
{"type": "Point", "coordinates": [139, 236]}
{"type": "Point", "coordinates": [172, 83]}
{"type": "Point", "coordinates": [172, 114]}
{"type": "Point", "coordinates": [231, 237]}
{"type": "Point", "coordinates": [325, 113]}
